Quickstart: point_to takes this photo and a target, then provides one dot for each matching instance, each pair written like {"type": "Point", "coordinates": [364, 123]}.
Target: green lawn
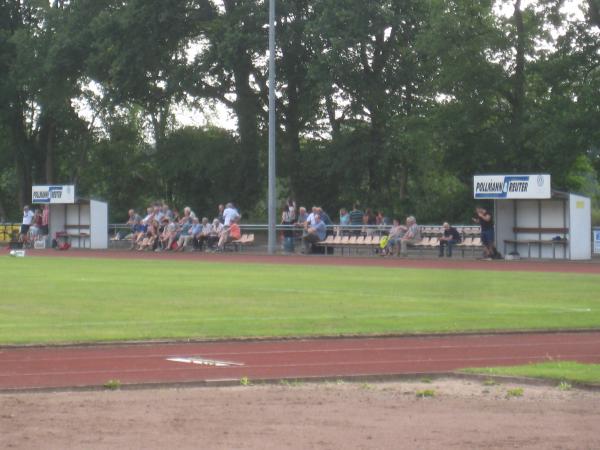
{"type": "Point", "coordinates": [569, 371]}
{"type": "Point", "coordinates": [74, 299]}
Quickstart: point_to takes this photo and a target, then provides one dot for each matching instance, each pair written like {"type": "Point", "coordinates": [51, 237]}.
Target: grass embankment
{"type": "Point", "coordinates": [569, 371]}
{"type": "Point", "coordinates": [49, 300]}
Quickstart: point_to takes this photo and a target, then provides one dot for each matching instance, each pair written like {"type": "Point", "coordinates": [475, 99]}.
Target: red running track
{"type": "Point", "coordinates": [69, 367]}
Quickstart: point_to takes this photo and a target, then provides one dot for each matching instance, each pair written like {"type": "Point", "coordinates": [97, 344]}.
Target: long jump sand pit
{"type": "Point", "coordinates": [462, 414]}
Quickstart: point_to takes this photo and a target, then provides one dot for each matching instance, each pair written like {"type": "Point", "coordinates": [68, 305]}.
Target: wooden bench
{"type": "Point", "coordinates": [350, 242]}
{"type": "Point", "coordinates": [244, 240]}
{"type": "Point", "coordinates": [539, 241]}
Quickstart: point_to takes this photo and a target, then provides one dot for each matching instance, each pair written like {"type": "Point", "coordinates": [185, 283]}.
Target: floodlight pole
{"type": "Point", "coordinates": [272, 197]}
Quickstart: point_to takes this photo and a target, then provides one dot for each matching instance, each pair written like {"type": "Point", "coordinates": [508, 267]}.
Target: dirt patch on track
{"type": "Point", "coordinates": [461, 415]}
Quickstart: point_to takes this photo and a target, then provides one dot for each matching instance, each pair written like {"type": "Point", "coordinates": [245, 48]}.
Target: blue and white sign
{"type": "Point", "coordinates": [596, 232]}
{"type": "Point", "coordinates": [53, 194]}
{"type": "Point", "coordinates": [508, 187]}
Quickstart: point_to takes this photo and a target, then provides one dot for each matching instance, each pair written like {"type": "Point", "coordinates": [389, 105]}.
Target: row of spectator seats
{"type": "Point", "coordinates": [471, 241]}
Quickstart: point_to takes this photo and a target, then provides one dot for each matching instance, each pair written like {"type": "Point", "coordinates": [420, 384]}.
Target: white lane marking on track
{"type": "Point", "coordinates": [203, 361]}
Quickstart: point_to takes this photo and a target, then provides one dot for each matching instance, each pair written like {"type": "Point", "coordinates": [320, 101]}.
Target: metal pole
{"type": "Point", "coordinates": [272, 197]}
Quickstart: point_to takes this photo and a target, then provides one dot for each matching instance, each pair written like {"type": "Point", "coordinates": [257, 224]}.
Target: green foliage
{"type": "Point", "coordinates": [561, 371]}
{"type": "Point", "coordinates": [200, 168]}
{"type": "Point", "coordinates": [112, 385]}
{"type": "Point", "coordinates": [393, 103]}
{"type": "Point", "coordinates": [426, 393]}
{"type": "Point", "coordinates": [565, 386]}
{"type": "Point", "coordinates": [514, 392]}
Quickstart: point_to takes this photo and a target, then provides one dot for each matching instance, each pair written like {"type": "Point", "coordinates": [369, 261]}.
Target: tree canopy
{"type": "Point", "coordinates": [393, 103]}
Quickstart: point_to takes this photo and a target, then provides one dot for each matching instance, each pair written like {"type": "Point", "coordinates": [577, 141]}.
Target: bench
{"type": "Point", "coordinates": [350, 243]}
{"type": "Point", "coordinates": [244, 240]}
{"type": "Point", "coordinates": [78, 232]}
{"type": "Point", "coordinates": [540, 241]}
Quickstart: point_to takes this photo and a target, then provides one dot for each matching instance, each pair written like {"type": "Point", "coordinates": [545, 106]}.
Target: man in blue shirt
{"type": "Point", "coordinates": [314, 233]}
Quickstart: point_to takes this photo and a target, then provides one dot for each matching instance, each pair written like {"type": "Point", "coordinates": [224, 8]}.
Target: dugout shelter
{"type": "Point", "coordinates": [534, 221]}
{"type": "Point", "coordinates": [81, 221]}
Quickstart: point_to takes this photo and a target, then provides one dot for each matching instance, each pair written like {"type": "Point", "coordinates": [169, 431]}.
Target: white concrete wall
{"type": "Point", "coordinates": [580, 211]}
{"type": "Point", "coordinates": [504, 223]}
{"type": "Point", "coordinates": [99, 224]}
{"type": "Point", "coordinates": [56, 219]}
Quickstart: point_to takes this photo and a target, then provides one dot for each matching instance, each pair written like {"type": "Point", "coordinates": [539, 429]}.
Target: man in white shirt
{"type": "Point", "coordinates": [27, 220]}
{"type": "Point", "coordinates": [229, 213]}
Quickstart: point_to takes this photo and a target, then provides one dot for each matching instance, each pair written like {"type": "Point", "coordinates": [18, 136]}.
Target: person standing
{"type": "Point", "coordinates": [486, 222]}
{"type": "Point", "coordinates": [356, 220]}
{"type": "Point", "coordinates": [45, 220]}
{"type": "Point", "coordinates": [28, 216]}
{"type": "Point", "coordinates": [450, 237]}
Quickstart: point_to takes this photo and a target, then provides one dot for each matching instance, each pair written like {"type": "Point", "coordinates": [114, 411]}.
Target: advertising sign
{"type": "Point", "coordinates": [511, 186]}
{"type": "Point", "coordinates": [53, 194]}
{"type": "Point", "coordinates": [596, 232]}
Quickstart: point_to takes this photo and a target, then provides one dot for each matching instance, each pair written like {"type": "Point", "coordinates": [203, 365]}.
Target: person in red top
{"type": "Point", "coordinates": [232, 233]}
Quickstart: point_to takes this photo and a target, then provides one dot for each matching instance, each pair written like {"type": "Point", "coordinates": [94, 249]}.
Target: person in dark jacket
{"type": "Point", "coordinates": [450, 237]}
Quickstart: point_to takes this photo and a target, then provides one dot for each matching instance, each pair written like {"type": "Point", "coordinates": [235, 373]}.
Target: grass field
{"type": "Point", "coordinates": [50, 300]}
{"type": "Point", "coordinates": [568, 371]}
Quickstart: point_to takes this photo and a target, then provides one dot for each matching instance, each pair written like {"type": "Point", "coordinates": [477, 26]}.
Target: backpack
{"type": "Point", "coordinates": [383, 242]}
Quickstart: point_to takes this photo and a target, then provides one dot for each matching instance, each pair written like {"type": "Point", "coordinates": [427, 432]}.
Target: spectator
{"type": "Point", "coordinates": [28, 216]}
{"type": "Point", "coordinates": [167, 212]}
{"type": "Point", "coordinates": [396, 233]}
{"type": "Point", "coordinates": [220, 211]}
{"type": "Point", "coordinates": [229, 214]}
{"type": "Point", "coordinates": [149, 216]}
{"type": "Point", "coordinates": [311, 217]}
{"type": "Point", "coordinates": [201, 236]}
{"type": "Point", "coordinates": [138, 233]}
{"type": "Point", "coordinates": [356, 219]}
{"type": "Point", "coordinates": [381, 219]}
{"type": "Point", "coordinates": [302, 216]}
{"type": "Point", "coordinates": [324, 216]}
{"type": "Point", "coordinates": [187, 214]}
{"type": "Point", "coordinates": [185, 234]}
{"type": "Point", "coordinates": [36, 225]}
{"type": "Point", "coordinates": [411, 237]}
{"type": "Point", "coordinates": [302, 220]}
{"type": "Point", "coordinates": [45, 220]}
{"type": "Point", "coordinates": [344, 222]}
{"type": "Point", "coordinates": [292, 209]}
{"type": "Point", "coordinates": [486, 222]}
{"type": "Point", "coordinates": [229, 234]}
{"type": "Point", "coordinates": [215, 232]}
{"type": "Point", "coordinates": [287, 219]}
{"type": "Point", "coordinates": [449, 238]}
{"type": "Point", "coordinates": [132, 219]}
{"type": "Point", "coordinates": [169, 234]}
{"type": "Point", "coordinates": [368, 221]}
{"type": "Point", "coordinates": [314, 233]}
{"type": "Point", "coordinates": [158, 213]}
{"type": "Point", "coordinates": [148, 240]}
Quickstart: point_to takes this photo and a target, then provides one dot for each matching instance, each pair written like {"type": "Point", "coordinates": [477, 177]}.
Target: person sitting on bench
{"type": "Point", "coordinates": [411, 237]}
{"type": "Point", "coordinates": [448, 240]}
{"type": "Point", "coordinates": [315, 232]}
